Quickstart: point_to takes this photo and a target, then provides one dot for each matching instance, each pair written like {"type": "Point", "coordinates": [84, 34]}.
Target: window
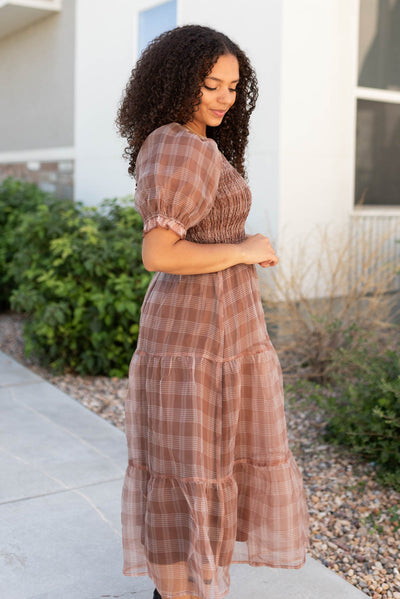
{"type": "Point", "coordinates": [378, 153]}
{"type": "Point", "coordinates": [378, 104]}
{"type": "Point", "coordinates": [154, 21]}
{"type": "Point", "coordinates": [379, 44]}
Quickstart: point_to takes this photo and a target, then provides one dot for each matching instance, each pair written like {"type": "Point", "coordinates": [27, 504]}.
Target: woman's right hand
{"type": "Point", "coordinates": [257, 249]}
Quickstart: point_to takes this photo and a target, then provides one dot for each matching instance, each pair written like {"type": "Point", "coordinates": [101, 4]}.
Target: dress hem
{"type": "Point", "coordinates": [248, 562]}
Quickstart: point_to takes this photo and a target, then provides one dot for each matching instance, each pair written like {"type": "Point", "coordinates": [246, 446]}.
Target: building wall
{"type": "Point", "coordinates": [37, 103]}
{"type": "Point", "coordinates": [317, 118]}
{"type": "Point", "coordinates": [37, 75]}
{"type": "Point", "coordinates": [53, 176]}
{"type": "Point", "coordinates": [105, 56]}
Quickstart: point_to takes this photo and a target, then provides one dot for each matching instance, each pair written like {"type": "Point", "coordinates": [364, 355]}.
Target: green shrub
{"type": "Point", "coordinates": [17, 198]}
{"type": "Point", "coordinates": [77, 272]}
{"type": "Point", "coordinates": [363, 408]}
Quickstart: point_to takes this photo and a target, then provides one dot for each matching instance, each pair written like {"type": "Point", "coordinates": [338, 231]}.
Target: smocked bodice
{"type": "Point", "coordinates": [225, 223]}
{"type": "Point", "coordinates": [185, 184]}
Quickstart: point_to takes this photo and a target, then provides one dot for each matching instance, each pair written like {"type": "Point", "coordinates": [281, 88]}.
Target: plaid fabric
{"type": "Point", "coordinates": [210, 479]}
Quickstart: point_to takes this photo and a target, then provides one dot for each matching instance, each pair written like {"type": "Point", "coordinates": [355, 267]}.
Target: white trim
{"type": "Point", "coordinates": [42, 154]}
{"type": "Point", "coordinates": [355, 80]}
{"type": "Point", "coordinates": [375, 210]}
{"type": "Point", "coordinates": [40, 4]}
{"type": "Point", "coordinates": [378, 95]}
{"type": "Point", "coordinates": [357, 40]}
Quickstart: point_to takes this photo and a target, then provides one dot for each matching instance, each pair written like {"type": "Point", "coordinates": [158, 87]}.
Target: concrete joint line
{"type": "Point", "coordinates": [69, 432]}
{"type": "Point", "coordinates": [20, 384]}
{"type": "Point", "coordinates": [66, 489]}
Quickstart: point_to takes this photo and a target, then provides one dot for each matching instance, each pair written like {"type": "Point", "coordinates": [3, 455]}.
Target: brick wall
{"type": "Point", "coordinates": [54, 177]}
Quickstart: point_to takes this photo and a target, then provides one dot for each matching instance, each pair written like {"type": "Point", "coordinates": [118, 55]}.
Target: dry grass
{"type": "Point", "coordinates": [337, 290]}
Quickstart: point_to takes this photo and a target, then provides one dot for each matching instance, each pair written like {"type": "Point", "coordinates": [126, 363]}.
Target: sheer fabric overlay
{"type": "Point", "coordinates": [210, 478]}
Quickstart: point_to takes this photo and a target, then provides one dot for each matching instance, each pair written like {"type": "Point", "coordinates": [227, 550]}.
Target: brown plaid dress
{"type": "Point", "coordinates": [210, 479]}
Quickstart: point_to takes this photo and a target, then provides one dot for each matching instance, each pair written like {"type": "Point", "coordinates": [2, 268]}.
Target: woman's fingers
{"type": "Point", "coordinates": [271, 262]}
{"type": "Point", "coordinates": [258, 250]}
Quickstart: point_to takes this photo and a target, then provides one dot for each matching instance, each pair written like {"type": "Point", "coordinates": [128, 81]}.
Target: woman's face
{"type": "Point", "coordinates": [218, 92]}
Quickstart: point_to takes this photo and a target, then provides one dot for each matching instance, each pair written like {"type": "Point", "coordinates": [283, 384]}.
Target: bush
{"type": "Point", "coordinates": [363, 407]}
{"type": "Point", "coordinates": [17, 198]}
{"type": "Point", "coordinates": [78, 274]}
{"type": "Point", "coordinates": [326, 295]}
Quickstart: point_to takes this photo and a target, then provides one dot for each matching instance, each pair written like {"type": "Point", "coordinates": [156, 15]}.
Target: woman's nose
{"type": "Point", "coordinates": [224, 96]}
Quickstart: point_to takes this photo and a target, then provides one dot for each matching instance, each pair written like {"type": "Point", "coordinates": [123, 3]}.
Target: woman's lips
{"type": "Point", "coordinates": [218, 113]}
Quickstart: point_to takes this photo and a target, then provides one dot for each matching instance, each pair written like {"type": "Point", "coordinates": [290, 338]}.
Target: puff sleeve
{"type": "Point", "coordinates": [177, 175]}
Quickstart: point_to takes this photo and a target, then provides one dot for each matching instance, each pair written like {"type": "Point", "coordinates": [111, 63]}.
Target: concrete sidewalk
{"type": "Point", "coordinates": [62, 469]}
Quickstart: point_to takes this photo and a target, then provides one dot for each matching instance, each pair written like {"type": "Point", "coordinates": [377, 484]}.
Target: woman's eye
{"type": "Point", "coordinates": [212, 89]}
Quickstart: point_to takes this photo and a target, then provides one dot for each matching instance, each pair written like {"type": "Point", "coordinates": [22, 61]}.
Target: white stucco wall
{"type": "Point", "coordinates": [104, 59]}
{"type": "Point", "coordinates": [317, 116]}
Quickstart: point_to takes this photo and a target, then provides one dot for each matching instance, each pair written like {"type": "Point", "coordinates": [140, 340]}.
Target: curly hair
{"type": "Point", "coordinates": [165, 86]}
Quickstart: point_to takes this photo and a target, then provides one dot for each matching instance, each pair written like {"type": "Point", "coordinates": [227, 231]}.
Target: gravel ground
{"type": "Point", "coordinates": [355, 522]}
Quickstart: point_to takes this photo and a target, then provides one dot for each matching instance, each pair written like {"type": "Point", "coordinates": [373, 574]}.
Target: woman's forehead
{"type": "Point", "coordinates": [225, 69]}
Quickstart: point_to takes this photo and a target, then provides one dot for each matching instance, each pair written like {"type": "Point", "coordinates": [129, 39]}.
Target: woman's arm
{"type": "Point", "coordinates": [164, 251]}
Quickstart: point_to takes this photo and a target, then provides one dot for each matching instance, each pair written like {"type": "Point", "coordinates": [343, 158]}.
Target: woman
{"type": "Point", "coordinates": [210, 479]}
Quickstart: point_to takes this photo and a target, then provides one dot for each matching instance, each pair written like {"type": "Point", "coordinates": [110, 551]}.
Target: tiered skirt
{"type": "Point", "coordinates": [210, 478]}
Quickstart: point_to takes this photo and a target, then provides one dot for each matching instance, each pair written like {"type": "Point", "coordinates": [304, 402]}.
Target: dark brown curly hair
{"type": "Point", "coordinates": [165, 86]}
